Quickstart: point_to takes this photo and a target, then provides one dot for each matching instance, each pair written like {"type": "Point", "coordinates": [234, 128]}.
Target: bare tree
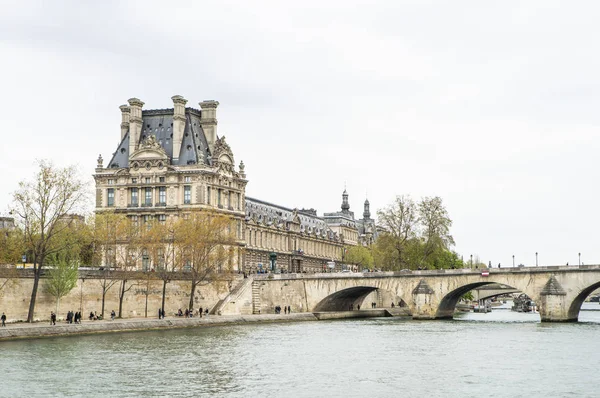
{"type": "Point", "coordinates": [40, 204]}
{"type": "Point", "coordinates": [167, 257]}
{"type": "Point", "coordinates": [105, 236]}
{"type": "Point", "coordinates": [204, 239]}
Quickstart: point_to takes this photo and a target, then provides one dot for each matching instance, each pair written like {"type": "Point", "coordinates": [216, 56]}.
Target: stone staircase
{"type": "Point", "coordinates": [256, 297]}
{"type": "Point", "coordinates": [235, 293]}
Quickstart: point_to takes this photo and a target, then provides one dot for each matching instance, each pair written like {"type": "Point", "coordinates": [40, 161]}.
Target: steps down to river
{"type": "Point", "coordinates": [233, 296]}
{"type": "Point", "coordinates": [256, 297]}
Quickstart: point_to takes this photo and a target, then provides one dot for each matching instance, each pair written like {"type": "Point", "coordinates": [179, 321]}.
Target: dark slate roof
{"type": "Point", "coordinates": [269, 213]}
{"type": "Point", "coordinates": [121, 156]}
{"type": "Point", "coordinates": [159, 122]}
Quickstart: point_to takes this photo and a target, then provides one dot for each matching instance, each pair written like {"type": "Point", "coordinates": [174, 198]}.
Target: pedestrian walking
{"type": "Point", "coordinates": [159, 313]}
{"type": "Point", "coordinates": [289, 310]}
{"type": "Point", "coordinates": [3, 319]}
{"type": "Point", "coordinates": [52, 318]}
{"type": "Point", "coordinates": [112, 315]}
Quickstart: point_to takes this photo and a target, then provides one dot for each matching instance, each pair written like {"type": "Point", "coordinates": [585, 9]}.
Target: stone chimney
{"type": "Point", "coordinates": [208, 121]}
{"type": "Point", "coordinates": [178, 124]}
{"type": "Point", "coordinates": [135, 123]}
{"type": "Point", "coordinates": [124, 120]}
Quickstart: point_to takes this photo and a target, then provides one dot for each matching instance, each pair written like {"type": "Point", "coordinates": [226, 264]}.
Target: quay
{"type": "Point", "coordinates": [21, 330]}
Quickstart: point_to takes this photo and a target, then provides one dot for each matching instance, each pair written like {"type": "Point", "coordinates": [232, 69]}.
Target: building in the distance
{"type": "Point", "coordinates": [7, 223]}
{"type": "Point", "coordinates": [171, 162]}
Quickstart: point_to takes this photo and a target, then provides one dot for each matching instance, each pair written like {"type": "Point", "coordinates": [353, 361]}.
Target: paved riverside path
{"type": "Point", "coordinates": [22, 330]}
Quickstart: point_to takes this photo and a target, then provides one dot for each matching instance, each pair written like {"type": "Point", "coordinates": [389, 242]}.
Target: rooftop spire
{"type": "Point", "coordinates": [367, 212]}
{"type": "Point", "coordinates": [345, 204]}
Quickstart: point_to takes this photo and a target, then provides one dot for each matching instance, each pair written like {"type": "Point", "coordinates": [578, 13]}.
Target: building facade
{"type": "Point", "coordinates": [171, 162]}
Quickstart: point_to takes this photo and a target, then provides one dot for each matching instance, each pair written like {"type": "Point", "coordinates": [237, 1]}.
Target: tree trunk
{"type": "Point", "coordinates": [121, 294]}
{"type": "Point", "coordinates": [164, 293]}
{"type": "Point", "coordinates": [103, 297]}
{"type": "Point", "coordinates": [191, 306]}
{"type": "Point", "coordinates": [36, 280]}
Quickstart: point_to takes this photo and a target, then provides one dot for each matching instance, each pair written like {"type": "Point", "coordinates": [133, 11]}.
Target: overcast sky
{"type": "Point", "coordinates": [491, 106]}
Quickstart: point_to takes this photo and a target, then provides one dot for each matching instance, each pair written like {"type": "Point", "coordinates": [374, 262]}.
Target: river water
{"type": "Point", "coordinates": [499, 354]}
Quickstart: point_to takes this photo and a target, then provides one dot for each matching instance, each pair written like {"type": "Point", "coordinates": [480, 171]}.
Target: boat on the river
{"type": "Point", "coordinates": [523, 303]}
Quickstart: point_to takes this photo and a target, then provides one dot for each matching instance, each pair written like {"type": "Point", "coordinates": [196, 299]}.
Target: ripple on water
{"type": "Point", "coordinates": [480, 355]}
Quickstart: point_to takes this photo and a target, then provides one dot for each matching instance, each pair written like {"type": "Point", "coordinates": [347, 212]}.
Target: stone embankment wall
{"type": "Point", "coordinates": [87, 297]}
{"type": "Point", "coordinates": [28, 331]}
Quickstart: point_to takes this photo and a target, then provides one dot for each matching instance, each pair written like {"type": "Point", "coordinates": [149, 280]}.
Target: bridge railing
{"type": "Point", "coordinates": [414, 273]}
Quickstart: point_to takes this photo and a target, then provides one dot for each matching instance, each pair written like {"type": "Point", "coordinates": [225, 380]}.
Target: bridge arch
{"type": "Point", "coordinates": [448, 303]}
{"type": "Point", "coordinates": [352, 297]}
{"type": "Point", "coordinates": [575, 307]}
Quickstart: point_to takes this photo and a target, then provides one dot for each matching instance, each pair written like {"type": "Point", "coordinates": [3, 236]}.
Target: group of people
{"type": "Point", "coordinates": [95, 317]}
{"type": "Point", "coordinates": [190, 314]}
{"type": "Point", "coordinates": [286, 309]}
{"type": "Point", "coordinates": [73, 317]}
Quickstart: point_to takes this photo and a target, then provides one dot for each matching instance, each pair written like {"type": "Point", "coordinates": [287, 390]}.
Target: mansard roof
{"type": "Point", "coordinates": [159, 123]}
{"type": "Point", "coordinates": [270, 213]}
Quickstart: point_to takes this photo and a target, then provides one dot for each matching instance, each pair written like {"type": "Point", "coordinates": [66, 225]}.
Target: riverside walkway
{"type": "Point", "coordinates": [22, 330]}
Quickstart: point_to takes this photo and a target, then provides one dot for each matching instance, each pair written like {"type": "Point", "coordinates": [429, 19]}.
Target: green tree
{"type": "Point", "coordinates": [415, 236]}
{"type": "Point", "coordinates": [399, 221]}
{"type": "Point", "coordinates": [41, 205]}
{"type": "Point", "coordinates": [62, 277]}
{"type": "Point", "coordinates": [360, 256]}
{"type": "Point", "coordinates": [435, 226]}
{"type": "Point", "coordinates": [11, 246]}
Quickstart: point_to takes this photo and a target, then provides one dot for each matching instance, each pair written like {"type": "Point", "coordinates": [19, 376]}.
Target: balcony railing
{"type": "Point", "coordinates": [159, 204]}
{"type": "Point", "coordinates": [146, 204]}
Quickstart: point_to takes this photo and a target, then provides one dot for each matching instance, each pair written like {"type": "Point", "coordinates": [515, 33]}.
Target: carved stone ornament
{"type": "Point", "coordinates": [222, 148]}
{"type": "Point", "coordinates": [150, 143]}
{"type": "Point", "coordinates": [100, 161]}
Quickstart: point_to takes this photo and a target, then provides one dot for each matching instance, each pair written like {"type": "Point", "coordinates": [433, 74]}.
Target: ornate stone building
{"type": "Point", "coordinates": [171, 162]}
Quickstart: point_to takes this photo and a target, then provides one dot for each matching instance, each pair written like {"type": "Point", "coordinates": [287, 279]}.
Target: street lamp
{"type": "Point", "coordinates": [579, 258]}
{"type": "Point", "coordinates": [471, 261]}
{"type": "Point", "coordinates": [536, 258]}
{"type": "Point", "coordinates": [513, 260]}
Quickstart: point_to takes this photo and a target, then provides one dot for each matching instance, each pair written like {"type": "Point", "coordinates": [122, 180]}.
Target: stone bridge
{"type": "Point", "coordinates": [558, 291]}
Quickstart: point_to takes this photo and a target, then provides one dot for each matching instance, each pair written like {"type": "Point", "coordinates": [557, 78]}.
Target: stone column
{"type": "Point", "coordinates": [178, 124]}
{"type": "Point", "coordinates": [135, 123]}
{"type": "Point", "coordinates": [422, 306]}
{"type": "Point", "coordinates": [553, 306]}
{"type": "Point", "coordinates": [208, 121]}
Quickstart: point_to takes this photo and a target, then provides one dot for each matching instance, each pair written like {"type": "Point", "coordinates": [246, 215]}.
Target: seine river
{"type": "Point", "coordinates": [500, 354]}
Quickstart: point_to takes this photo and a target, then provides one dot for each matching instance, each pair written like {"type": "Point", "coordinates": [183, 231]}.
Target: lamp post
{"type": "Point", "coordinates": [471, 261]}
{"type": "Point", "coordinates": [513, 260]}
{"type": "Point", "coordinates": [536, 259]}
{"type": "Point", "coordinates": [579, 258]}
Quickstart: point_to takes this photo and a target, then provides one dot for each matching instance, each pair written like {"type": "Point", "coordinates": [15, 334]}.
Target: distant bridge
{"type": "Point", "coordinates": [492, 290]}
{"type": "Point", "coordinates": [558, 291]}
